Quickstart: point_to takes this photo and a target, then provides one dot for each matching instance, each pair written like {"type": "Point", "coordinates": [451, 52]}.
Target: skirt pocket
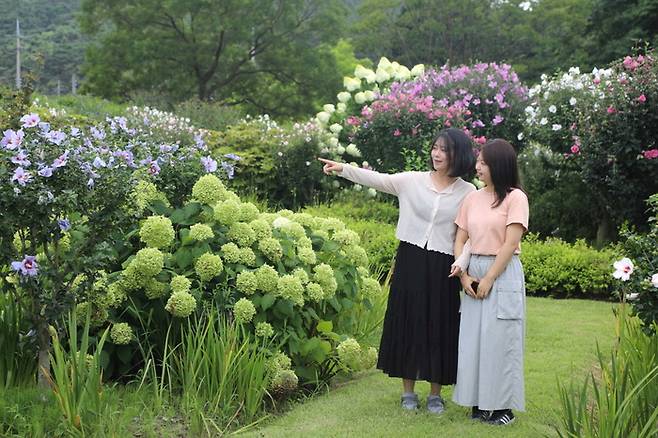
{"type": "Point", "coordinates": [510, 301]}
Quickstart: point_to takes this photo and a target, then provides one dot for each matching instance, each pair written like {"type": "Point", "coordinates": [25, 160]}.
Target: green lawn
{"type": "Point", "coordinates": [560, 343]}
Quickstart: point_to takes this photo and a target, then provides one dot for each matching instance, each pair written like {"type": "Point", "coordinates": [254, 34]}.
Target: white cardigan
{"type": "Point", "coordinates": [427, 215]}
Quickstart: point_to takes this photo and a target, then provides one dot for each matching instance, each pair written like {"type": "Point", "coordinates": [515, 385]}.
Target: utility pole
{"type": "Point", "coordinates": [18, 55]}
{"type": "Point", "coordinates": [59, 87]}
{"type": "Point", "coordinates": [74, 84]}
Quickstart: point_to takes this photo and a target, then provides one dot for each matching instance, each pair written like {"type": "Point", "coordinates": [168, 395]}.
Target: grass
{"type": "Point", "coordinates": [560, 343]}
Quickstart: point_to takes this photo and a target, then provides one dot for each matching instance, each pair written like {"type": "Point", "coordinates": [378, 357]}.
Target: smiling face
{"type": "Point", "coordinates": [440, 158]}
{"type": "Point", "coordinates": [482, 171]}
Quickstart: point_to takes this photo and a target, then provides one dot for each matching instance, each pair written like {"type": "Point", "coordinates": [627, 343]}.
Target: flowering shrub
{"type": "Point", "coordinates": [65, 190]}
{"type": "Point", "coordinates": [290, 277]}
{"type": "Point", "coordinates": [404, 109]}
{"type": "Point", "coordinates": [277, 162]}
{"type": "Point", "coordinates": [639, 270]}
{"type": "Point", "coordinates": [605, 124]}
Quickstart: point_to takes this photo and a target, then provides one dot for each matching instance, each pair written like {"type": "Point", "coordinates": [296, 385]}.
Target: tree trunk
{"type": "Point", "coordinates": [43, 338]}
{"type": "Point", "coordinates": [604, 232]}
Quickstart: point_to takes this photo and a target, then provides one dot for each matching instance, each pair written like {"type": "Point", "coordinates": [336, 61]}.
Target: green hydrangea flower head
{"type": "Point", "coordinates": [314, 292]}
{"type": "Point", "coordinates": [305, 242]}
{"type": "Point", "coordinates": [324, 276]}
{"type": "Point", "coordinates": [132, 278]}
{"type": "Point", "coordinates": [264, 330]}
{"type": "Point", "coordinates": [370, 288]}
{"type": "Point", "coordinates": [281, 361]}
{"type": "Point", "coordinates": [98, 314]}
{"type": "Point", "coordinates": [356, 255]}
{"type": "Point", "coordinates": [208, 190]}
{"type": "Point", "coordinates": [231, 253]}
{"type": "Point", "coordinates": [271, 248]}
{"type": "Point", "coordinates": [369, 358]}
{"type": "Point", "coordinates": [201, 232]}
{"type": "Point", "coordinates": [143, 195]}
{"type": "Point", "coordinates": [248, 212]}
{"type": "Point", "coordinates": [262, 229]}
{"type": "Point", "coordinates": [301, 274]}
{"type": "Point", "coordinates": [349, 353]}
{"type": "Point", "coordinates": [154, 289]}
{"type": "Point", "coordinates": [157, 232]}
{"type": "Point", "coordinates": [180, 283]}
{"type": "Point", "coordinates": [121, 333]}
{"type": "Point", "coordinates": [244, 311]}
{"type": "Point", "coordinates": [294, 230]}
{"type": "Point", "coordinates": [306, 255]}
{"type": "Point", "coordinates": [148, 262]}
{"type": "Point", "coordinates": [248, 257]}
{"type": "Point", "coordinates": [330, 224]}
{"type": "Point", "coordinates": [305, 219]}
{"type": "Point", "coordinates": [242, 234]}
{"type": "Point", "coordinates": [363, 271]}
{"type": "Point", "coordinates": [116, 294]}
{"type": "Point", "coordinates": [268, 278]}
{"type": "Point", "coordinates": [181, 304]}
{"type": "Point", "coordinates": [284, 381]}
{"type": "Point", "coordinates": [208, 266]}
{"type": "Point", "coordinates": [227, 212]}
{"type": "Point", "coordinates": [346, 237]}
{"type": "Point", "coordinates": [291, 288]}
{"type": "Point", "coordinates": [246, 282]}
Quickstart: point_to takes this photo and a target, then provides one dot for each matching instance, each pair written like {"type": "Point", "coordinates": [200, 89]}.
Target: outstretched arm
{"type": "Point", "coordinates": [378, 181]}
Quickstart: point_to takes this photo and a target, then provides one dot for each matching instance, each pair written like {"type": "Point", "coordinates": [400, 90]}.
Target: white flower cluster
{"type": "Point", "coordinates": [365, 86]}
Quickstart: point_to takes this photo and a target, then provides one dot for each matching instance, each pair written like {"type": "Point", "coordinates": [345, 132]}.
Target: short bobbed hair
{"type": "Point", "coordinates": [459, 148]}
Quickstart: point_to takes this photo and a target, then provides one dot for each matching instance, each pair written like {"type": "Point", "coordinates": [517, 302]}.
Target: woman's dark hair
{"type": "Point", "coordinates": [459, 149]}
{"type": "Point", "coordinates": [499, 155]}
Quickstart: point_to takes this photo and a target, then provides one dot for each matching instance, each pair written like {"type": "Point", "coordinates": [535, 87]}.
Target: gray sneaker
{"type": "Point", "coordinates": [435, 404]}
{"type": "Point", "coordinates": [409, 402]}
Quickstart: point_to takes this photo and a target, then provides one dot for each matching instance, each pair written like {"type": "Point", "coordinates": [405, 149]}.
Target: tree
{"type": "Point", "coordinates": [618, 25]}
{"type": "Point", "coordinates": [271, 55]}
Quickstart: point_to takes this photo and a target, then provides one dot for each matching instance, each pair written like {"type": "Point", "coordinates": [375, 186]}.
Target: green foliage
{"type": "Point", "coordinates": [209, 115]}
{"type": "Point", "coordinates": [221, 373]}
{"type": "Point", "coordinates": [17, 367]}
{"type": "Point", "coordinates": [94, 108]}
{"type": "Point", "coordinates": [77, 377]}
{"type": "Point", "coordinates": [559, 200]}
{"type": "Point", "coordinates": [559, 269]}
{"type": "Point", "coordinates": [623, 400]}
{"type": "Point", "coordinates": [642, 249]}
{"type": "Point", "coordinates": [615, 27]}
{"type": "Point", "coordinates": [277, 163]}
{"type": "Point", "coordinates": [373, 220]}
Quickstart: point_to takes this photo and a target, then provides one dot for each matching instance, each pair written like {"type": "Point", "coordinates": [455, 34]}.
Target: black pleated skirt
{"type": "Point", "coordinates": [421, 328]}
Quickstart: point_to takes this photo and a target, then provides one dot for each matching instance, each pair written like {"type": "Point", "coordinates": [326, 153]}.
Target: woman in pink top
{"type": "Point", "coordinates": [421, 326]}
{"type": "Point", "coordinates": [491, 333]}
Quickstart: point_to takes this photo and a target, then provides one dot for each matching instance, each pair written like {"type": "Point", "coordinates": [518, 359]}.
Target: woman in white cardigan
{"type": "Point", "coordinates": [421, 326]}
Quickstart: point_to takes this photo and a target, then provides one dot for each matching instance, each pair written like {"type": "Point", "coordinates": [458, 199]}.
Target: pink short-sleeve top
{"type": "Point", "coordinates": [486, 225]}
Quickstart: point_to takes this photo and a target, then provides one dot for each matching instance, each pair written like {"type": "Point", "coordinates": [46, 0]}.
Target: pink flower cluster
{"type": "Point", "coordinates": [650, 154]}
{"type": "Point", "coordinates": [631, 63]}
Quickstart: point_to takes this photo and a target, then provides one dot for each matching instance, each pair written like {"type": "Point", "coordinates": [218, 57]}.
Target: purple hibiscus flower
{"type": "Point", "coordinates": [21, 176]}
{"type": "Point", "coordinates": [30, 120]}
{"type": "Point", "coordinates": [209, 164]}
{"type": "Point", "coordinates": [27, 267]}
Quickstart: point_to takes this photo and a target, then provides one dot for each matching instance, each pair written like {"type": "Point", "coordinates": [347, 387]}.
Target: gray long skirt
{"type": "Point", "coordinates": [491, 341]}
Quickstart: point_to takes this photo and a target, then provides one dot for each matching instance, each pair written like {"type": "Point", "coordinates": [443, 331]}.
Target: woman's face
{"type": "Point", "coordinates": [440, 158]}
{"type": "Point", "coordinates": [482, 171]}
